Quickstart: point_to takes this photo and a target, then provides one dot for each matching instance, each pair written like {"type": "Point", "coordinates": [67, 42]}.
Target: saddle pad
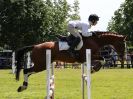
{"type": "Point", "coordinates": [64, 45]}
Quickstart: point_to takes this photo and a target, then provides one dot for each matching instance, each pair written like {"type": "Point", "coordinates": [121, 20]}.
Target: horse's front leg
{"type": "Point", "coordinates": [27, 73]}
{"type": "Point", "coordinates": [96, 65]}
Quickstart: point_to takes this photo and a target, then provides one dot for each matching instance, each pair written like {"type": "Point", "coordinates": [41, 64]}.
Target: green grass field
{"type": "Point", "coordinates": [105, 84]}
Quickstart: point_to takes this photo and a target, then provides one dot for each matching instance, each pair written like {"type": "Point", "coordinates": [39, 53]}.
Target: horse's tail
{"type": "Point", "coordinates": [19, 54]}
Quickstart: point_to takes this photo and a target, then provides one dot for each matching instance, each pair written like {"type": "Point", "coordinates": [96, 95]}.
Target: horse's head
{"type": "Point", "coordinates": [116, 40]}
{"type": "Point", "coordinates": [107, 38]}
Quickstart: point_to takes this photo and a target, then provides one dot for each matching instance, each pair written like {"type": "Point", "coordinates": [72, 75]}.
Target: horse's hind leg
{"type": "Point", "coordinates": [27, 73]}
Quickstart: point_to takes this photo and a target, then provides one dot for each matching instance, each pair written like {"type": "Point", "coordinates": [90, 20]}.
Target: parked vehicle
{"type": "Point", "coordinates": [6, 59]}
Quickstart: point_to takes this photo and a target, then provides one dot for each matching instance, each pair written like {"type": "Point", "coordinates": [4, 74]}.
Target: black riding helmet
{"type": "Point", "coordinates": [93, 17]}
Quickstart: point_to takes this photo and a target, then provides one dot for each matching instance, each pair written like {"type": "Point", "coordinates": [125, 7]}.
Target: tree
{"type": "Point", "coordinates": [21, 22]}
{"type": "Point", "coordinates": [122, 21]}
{"type": "Point", "coordinates": [57, 13]}
{"type": "Point", "coordinates": [25, 22]}
{"type": "Point", "coordinates": [75, 11]}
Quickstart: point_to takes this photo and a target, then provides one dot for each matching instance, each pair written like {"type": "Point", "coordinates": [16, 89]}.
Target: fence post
{"type": "Point", "coordinates": [88, 63]}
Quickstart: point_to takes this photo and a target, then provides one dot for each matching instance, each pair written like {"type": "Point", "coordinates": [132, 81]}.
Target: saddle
{"type": "Point", "coordinates": [67, 39]}
{"type": "Point", "coordinates": [70, 38]}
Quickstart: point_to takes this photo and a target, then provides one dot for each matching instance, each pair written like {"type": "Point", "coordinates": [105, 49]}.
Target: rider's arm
{"type": "Point", "coordinates": [86, 34]}
{"type": "Point", "coordinates": [85, 30]}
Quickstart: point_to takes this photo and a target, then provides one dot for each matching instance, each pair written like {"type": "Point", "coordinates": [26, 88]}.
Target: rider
{"type": "Point", "coordinates": [75, 26]}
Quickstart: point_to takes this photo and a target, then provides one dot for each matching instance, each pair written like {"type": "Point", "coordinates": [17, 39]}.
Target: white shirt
{"type": "Point", "coordinates": [82, 26]}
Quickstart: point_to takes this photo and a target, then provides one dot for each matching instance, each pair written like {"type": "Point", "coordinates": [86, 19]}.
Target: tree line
{"type": "Point", "coordinates": [26, 22]}
{"type": "Point", "coordinates": [122, 21]}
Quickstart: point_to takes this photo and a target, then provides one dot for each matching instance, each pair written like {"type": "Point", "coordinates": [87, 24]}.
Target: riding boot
{"type": "Point", "coordinates": [71, 52]}
{"type": "Point", "coordinates": [74, 44]}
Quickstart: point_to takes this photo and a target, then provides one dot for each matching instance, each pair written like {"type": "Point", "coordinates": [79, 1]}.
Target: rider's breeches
{"type": "Point", "coordinates": [71, 28]}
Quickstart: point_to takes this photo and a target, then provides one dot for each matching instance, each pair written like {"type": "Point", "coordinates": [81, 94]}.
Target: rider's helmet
{"type": "Point", "coordinates": [93, 18]}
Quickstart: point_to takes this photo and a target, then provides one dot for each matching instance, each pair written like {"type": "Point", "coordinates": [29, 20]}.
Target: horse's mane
{"type": "Point", "coordinates": [107, 33]}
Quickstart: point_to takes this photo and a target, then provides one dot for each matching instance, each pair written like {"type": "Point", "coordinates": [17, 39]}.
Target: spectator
{"type": "Point", "coordinates": [114, 58]}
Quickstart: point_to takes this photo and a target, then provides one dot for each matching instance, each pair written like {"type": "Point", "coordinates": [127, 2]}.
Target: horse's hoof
{"type": "Point", "coordinates": [19, 89]}
{"type": "Point", "coordinates": [93, 71]}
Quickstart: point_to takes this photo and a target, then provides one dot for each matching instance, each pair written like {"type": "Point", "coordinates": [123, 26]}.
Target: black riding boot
{"type": "Point", "coordinates": [74, 44]}
{"type": "Point", "coordinates": [71, 52]}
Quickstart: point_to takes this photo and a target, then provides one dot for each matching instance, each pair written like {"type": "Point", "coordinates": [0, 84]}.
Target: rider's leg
{"type": "Point", "coordinates": [75, 41]}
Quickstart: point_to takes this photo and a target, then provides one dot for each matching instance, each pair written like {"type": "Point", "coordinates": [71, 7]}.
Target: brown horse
{"type": "Point", "coordinates": [94, 43]}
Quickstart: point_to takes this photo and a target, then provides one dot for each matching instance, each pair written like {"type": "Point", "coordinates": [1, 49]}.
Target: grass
{"type": "Point", "coordinates": [105, 84]}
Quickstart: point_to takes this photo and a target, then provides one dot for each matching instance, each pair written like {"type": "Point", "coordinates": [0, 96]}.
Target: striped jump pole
{"type": "Point", "coordinates": [86, 77]}
{"type": "Point", "coordinates": [50, 79]}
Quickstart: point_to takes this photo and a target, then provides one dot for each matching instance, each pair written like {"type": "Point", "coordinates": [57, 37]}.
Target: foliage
{"type": "Point", "coordinates": [26, 22]}
{"type": "Point", "coordinates": [122, 21]}
{"type": "Point", "coordinates": [74, 14]}
{"type": "Point", "coordinates": [57, 12]}
{"type": "Point", "coordinates": [21, 22]}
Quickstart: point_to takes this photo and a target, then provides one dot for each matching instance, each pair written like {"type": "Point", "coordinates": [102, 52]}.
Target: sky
{"type": "Point", "coordinates": [103, 8]}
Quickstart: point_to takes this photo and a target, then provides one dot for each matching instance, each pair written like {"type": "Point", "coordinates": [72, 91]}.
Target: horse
{"type": "Point", "coordinates": [38, 53]}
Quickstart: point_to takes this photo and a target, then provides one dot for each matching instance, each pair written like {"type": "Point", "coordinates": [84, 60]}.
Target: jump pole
{"type": "Point", "coordinates": [50, 79]}
{"type": "Point", "coordinates": [83, 81]}
{"type": "Point", "coordinates": [88, 63]}
{"type": "Point", "coordinates": [13, 63]}
{"type": "Point", "coordinates": [88, 73]}
{"type": "Point", "coordinates": [28, 60]}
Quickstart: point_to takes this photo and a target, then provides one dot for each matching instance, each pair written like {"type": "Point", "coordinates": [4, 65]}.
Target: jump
{"type": "Point", "coordinates": [95, 43]}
